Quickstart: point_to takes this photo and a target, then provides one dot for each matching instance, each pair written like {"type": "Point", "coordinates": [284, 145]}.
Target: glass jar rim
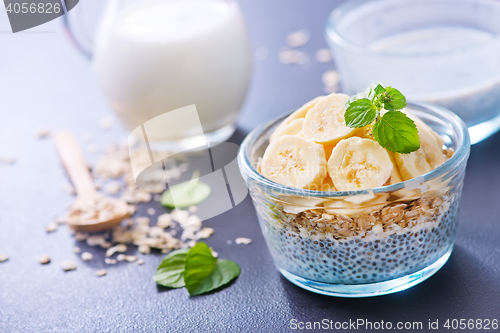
{"type": "Point", "coordinates": [335, 37]}
{"type": "Point", "coordinates": [453, 163]}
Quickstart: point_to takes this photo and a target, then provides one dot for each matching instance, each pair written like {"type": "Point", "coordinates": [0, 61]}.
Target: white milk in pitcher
{"type": "Point", "coordinates": [155, 56]}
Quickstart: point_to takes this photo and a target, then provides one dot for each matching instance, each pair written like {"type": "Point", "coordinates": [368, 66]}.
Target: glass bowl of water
{"type": "Point", "coordinates": [444, 52]}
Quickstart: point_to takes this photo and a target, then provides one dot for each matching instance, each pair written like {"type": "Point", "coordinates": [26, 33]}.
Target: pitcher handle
{"type": "Point", "coordinates": [78, 36]}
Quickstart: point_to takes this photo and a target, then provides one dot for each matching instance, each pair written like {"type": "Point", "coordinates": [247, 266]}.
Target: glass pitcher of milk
{"type": "Point", "coordinates": [156, 56]}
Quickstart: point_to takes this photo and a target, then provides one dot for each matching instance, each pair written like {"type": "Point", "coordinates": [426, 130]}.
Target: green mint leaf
{"type": "Point", "coordinates": [199, 264]}
{"type": "Point", "coordinates": [186, 194]}
{"type": "Point", "coordinates": [204, 273]}
{"type": "Point", "coordinates": [224, 271]}
{"type": "Point", "coordinates": [388, 107]}
{"type": "Point", "coordinates": [360, 113]}
{"type": "Point", "coordinates": [369, 93]}
{"type": "Point", "coordinates": [393, 99]}
{"type": "Point", "coordinates": [396, 132]}
{"type": "Point", "coordinates": [170, 273]}
{"type": "Point", "coordinates": [379, 90]}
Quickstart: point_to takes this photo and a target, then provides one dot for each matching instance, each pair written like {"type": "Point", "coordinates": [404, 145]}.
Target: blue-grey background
{"type": "Point", "coordinates": [45, 82]}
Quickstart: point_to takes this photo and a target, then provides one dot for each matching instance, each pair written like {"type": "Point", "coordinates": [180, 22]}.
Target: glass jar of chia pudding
{"type": "Point", "coordinates": [368, 242]}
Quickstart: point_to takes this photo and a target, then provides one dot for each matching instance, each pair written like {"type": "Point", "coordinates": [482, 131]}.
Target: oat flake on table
{"type": "Point", "coordinates": [243, 240]}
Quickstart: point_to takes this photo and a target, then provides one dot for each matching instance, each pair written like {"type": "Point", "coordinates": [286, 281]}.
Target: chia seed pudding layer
{"type": "Point", "coordinates": [388, 242]}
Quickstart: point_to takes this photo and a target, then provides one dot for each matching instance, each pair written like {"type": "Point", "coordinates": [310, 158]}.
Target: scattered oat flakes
{"type": "Point", "coordinates": [242, 240]}
{"type": "Point", "coordinates": [156, 232]}
{"type": "Point", "coordinates": [4, 257]}
{"type": "Point", "coordinates": [164, 220]}
{"type": "Point", "coordinates": [106, 245]}
{"type": "Point", "coordinates": [41, 132]}
{"type": "Point", "coordinates": [288, 57]}
{"type": "Point", "coordinates": [51, 227]}
{"type": "Point", "coordinates": [204, 233]}
{"type": "Point", "coordinates": [157, 197]}
{"type": "Point", "coordinates": [116, 248]}
{"type": "Point", "coordinates": [323, 55]}
{"type": "Point", "coordinates": [330, 78]}
{"type": "Point", "coordinates": [95, 240]}
{"type": "Point", "coordinates": [143, 220]}
{"type": "Point", "coordinates": [76, 249]}
{"type": "Point", "coordinates": [191, 222]}
{"type": "Point", "coordinates": [87, 256]}
{"type": "Point", "coordinates": [68, 265]}
{"type": "Point", "coordinates": [81, 236]}
{"type": "Point", "coordinates": [131, 258]}
{"type": "Point", "coordinates": [261, 53]}
{"type": "Point", "coordinates": [144, 249]}
{"type": "Point", "coordinates": [298, 38]}
{"type": "Point", "coordinates": [110, 261]}
{"type": "Point", "coordinates": [193, 209]}
{"type": "Point", "coordinates": [140, 262]}
{"type": "Point", "coordinates": [179, 215]}
{"type": "Point", "coordinates": [191, 243]}
{"type": "Point", "coordinates": [151, 211]}
{"type": "Point", "coordinates": [131, 209]}
{"type": "Point", "coordinates": [112, 187]}
{"type": "Point", "coordinates": [173, 232]}
{"type": "Point", "coordinates": [121, 257]}
{"type": "Point", "coordinates": [101, 272]}
{"type": "Point", "coordinates": [215, 254]}
{"type": "Point", "coordinates": [106, 123]}
{"type": "Point", "coordinates": [45, 259]}
{"type": "Point", "coordinates": [103, 208]}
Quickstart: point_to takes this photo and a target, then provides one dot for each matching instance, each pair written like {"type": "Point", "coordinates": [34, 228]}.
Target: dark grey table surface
{"type": "Point", "coordinates": [45, 82]}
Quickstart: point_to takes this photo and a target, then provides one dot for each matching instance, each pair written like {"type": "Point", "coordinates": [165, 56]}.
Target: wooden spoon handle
{"type": "Point", "coordinates": [72, 158]}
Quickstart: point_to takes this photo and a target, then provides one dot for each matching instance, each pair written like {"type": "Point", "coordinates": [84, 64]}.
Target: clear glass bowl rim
{"type": "Point", "coordinates": [333, 36]}
{"type": "Point", "coordinates": [453, 164]}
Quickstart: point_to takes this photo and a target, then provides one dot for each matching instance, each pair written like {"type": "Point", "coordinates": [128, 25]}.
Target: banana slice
{"type": "Point", "coordinates": [358, 164]}
{"type": "Point", "coordinates": [327, 185]}
{"type": "Point", "coordinates": [346, 207]}
{"type": "Point", "coordinates": [420, 123]}
{"type": "Point", "coordinates": [299, 113]}
{"type": "Point", "coordinates": [293, 128]}
{"type": "Point", "coordinates": [324, 123]}
{"type": "Point", "coordinates": [295, 205]}
{"type": "Point", "coordinates": [425, 159]}
{"type": "Point", "coordinates": [395, 176]}
{"type": "Point", "coordinates": [294, 161]}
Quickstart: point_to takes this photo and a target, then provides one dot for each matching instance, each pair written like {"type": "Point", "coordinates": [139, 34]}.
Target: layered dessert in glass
{"type": "Point", "coordinates": [344, 216]}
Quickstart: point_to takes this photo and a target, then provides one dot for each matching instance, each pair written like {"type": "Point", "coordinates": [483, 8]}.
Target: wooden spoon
{"type": "Point", "coordinates": [72, 158]}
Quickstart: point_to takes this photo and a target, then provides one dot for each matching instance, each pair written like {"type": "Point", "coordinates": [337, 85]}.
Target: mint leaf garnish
{"type": "Point", "coordinates": [369, 93]}
{"type": "Point", "coordinates": [196, 269]}
{"type": "Point", "coordinates": [393, 99]}
{"type": "Point", "coordinates": [170, 273]}
{"type": "Point", "coordinates": [203, 272]}
{"type": "Point", "coordinates": [360, 113]}
{"type": "Point", "coordinates": [199, 264]}
{"type": "Point", "coordinates": [186, 194]}
{"type": "Point", "coordinates": [223, 272]}
{"type": "Point", "coordinates": [379, 89]}
{"type": "Point", "coordinates": [396, 132]}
